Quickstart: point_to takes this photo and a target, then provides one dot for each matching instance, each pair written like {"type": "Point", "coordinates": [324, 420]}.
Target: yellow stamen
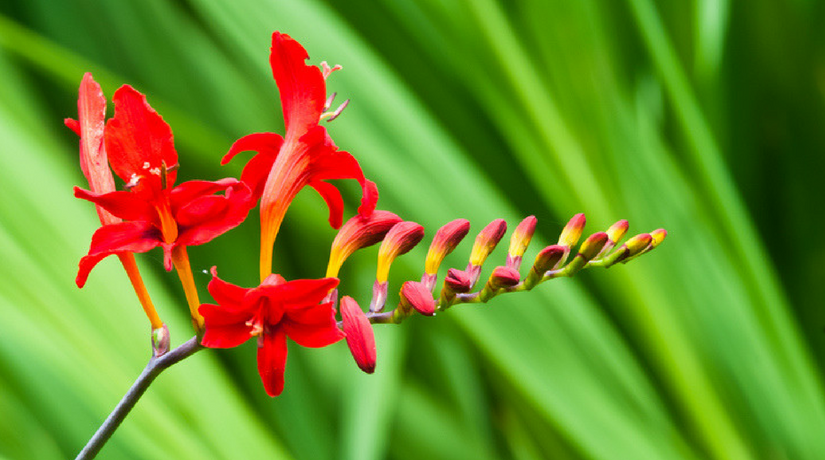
{"type": "Point", "coordinates": [181, 260]}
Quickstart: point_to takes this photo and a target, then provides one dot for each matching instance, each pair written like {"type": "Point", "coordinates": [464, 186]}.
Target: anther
{"type": "Point", "coordinates": [334, 115]}
{"type": "Point", "coordinates": [328, 103]}
{"type": "Point", "coordinates": [326, 69]}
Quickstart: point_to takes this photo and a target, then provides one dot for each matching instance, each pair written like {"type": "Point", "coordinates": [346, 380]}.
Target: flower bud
{"type": "Point", "coordinates": [617, 231]}
{"type": "Point", "coordinates": [399, 240]}
{"type": "Point", "coordinates": [486, 241]}
{"type": "Point", "coordinates": [632, 247]}
{"type": "Point", "coordinates": [360, 336]}
{"type": "Point", "coordinates": [503, 277]}
{"type": "Point", "coordinates": [614, 234]}
{"type": "Point", "coordinates": [416, 295]}
{"type": "Point", "coordinates": [657, 236]}
{"type": "Point", "coordinates": [359, 232]}
{"type": "Point", "coordinates": [457, 281]}
{"type": "Point", "coordinates": [588, 250]}
{"type": "Point", "coordinates": [444, 242]}
{"type": "Point", "coordinates": [160, 341]}
{"type": "Point", "coordinates": [572, 231]}
{"type": "Point", "coordinates": [547, 259]}
{"type": "Point", "coordinates": [520, 240]}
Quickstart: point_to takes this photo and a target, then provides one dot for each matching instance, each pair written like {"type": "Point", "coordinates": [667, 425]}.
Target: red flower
{"type": "Point", "coordinates": [273, 311]}
{"type": "Point", "coordinates": [306, 155]}
{"type": "Point", "coordinates": [141, 151]}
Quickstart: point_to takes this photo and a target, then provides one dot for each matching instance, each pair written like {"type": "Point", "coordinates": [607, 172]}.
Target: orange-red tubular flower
{"type": "Point", "coordinates": [272, 312]}
{"type": "Point", "coordinates": [141, 152]}
{"type": "Point", "coordinates": [306, 155]}
{"type": "Point", "coordinates": [90, 126]}
{"type": "Point", "coordinates": [360, 336]}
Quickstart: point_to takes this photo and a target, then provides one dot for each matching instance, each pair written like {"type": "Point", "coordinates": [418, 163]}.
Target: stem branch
{"type": "Point", "coordinates": [153, 369]}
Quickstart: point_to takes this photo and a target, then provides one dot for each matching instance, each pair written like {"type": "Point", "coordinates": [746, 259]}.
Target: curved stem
{"type": "Point", "coordinates": [153, 369]}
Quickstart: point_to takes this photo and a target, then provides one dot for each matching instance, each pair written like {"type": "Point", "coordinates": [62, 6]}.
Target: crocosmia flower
{"type": "Point", "coordinates": [141, 151]}
{"type": "Point", "coordinates": [306, 155]}
{"type": "Point", "coordinates": [272, 312]}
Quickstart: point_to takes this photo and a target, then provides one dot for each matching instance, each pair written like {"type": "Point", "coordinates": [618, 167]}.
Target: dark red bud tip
{"type": "Point", "coordinates": [548, 257]}
{"type": "Point", "coordinates": [360, 336]}
{"type": "Point", "coordinates": [592, 245]}
{"type": "Point", "coordinates": [504, 277]}
{"type": "Point", "coordinates": [418, 297]}
{"type": "Point", "coordinates": [458, 281]}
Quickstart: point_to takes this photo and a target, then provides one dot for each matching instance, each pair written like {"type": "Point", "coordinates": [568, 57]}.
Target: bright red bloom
{"type": "Point", "coordinates": [273, 311]}
{"type": "Point", "coordinates": [141, 151]}
{"type": "Point", "coordinates": [306, 155]}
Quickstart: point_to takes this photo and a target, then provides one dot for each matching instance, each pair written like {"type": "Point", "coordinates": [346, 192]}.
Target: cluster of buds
{"type": "Point", "coordinates": [460, 286]}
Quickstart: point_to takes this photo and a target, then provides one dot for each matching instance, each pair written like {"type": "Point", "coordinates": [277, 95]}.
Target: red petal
{"type": "Point", "coordinates": [124, 205]}
{"type": "Point", "coordinates": [267, 143]}
{"type": "Point", "coordinates": [138, 141]}
{"type": "Point", "coordinates": [303, 292]}
{"type": "Point", "coordinates": [91, 113]}
{"type": "Point", "coordinates": [225, 293]}
{"type": "Point", "coordinates": [224, 336]}
{"type": "Point", "coordinates": [314, 336]}
{"type": "Point", "coordinates": [360, 336]}
{"type": "Point", "coordinates": [333, 199]}
{"type": "Point", "coordinates": [302, 87]}
{"type": "Point", "coordinates": [208, 217]}
{"type": "Point", "coordinates": [369, 199]}
{"type": "Point", "coordinates": [74, 125]}
{"type": "Point", "coordinates": [116, 238]}
{"type": "Point", "coordinates": [272, 361]}
{"type": "Point", "coordinates": [188, 191]}
{"type": "Point", "coordinates": [337, 165]}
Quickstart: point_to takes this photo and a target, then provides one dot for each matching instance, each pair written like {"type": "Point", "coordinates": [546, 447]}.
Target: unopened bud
{"type": "Point", "coordinates": [417, 296]}
{"type": "Point", "coordinates": [593, 245]}
{"type": "Point", "coordinates": [457, 281]}
{"type": "Point", "coordinates": [572, 231]}
{"type": "Point", "coordinates": [547, 259]}
{"type": "Point", "coordinates": [359, 232]}
{"type": "Point", "coordinates": [657, 236]}
{"type": "Point", "coordinates": [588, 250]}
{"type": "Point", "coordinates": [520, 240]}
{"type": "Point", "coordinates": [614, 234]}
{"type": "Point", "coordinates": [399, 240]}
{"type": "Point", "coordinates": [360, 336]}
{"type": "Point", "coordinates": [444, 242]}
{"type": "Point", "coordinates": [160, 341]}
{"type": "Point", "coordinates": [503, 277]}
{"type": "Point", "coordinates": [632, 247]}
{"type": "Point", "coordinates": [486, 241]}
{"type": "Point", "coordinates": [617, 231]}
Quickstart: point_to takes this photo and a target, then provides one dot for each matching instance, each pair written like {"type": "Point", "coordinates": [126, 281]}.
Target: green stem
{"type": "Point", "coordinates": [153, 369]}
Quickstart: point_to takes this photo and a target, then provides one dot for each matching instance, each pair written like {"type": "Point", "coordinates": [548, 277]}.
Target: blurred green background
{"type": "Point", "coordinates": [704, 117]}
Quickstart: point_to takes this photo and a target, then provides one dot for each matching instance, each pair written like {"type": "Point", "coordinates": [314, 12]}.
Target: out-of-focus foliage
{"type": "Point", "coordinates": [704, 117]}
